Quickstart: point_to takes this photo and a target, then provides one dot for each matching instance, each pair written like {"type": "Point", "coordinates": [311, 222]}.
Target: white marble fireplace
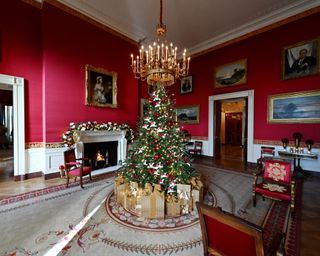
{"type": "Point", "coordinates": [84, 137]}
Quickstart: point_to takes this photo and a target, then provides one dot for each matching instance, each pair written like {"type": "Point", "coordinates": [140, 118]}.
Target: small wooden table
{"type": "Point", "coordinates": [297, 157]}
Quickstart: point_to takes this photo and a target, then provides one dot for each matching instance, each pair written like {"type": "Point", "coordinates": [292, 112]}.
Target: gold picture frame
{"type": "Point", "coordinates": [101, 87]}
{"type": "Point", "coordinates": [301, 59]}
{"type": "Point", "coordinates": [188, 114]}
{"type": "Point", "coordinates": [230, 74]}
{"type": "Point", "coordinates": [298, 107]}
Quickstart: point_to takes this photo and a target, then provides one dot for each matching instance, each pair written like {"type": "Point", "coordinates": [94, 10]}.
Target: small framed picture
{"type": "Point", "coordinates": [186, 85]}
{"type": "Point", "coordinates": [152, 89]}
{"type": "Point", "coordinates": [143, 107]}
{"type": "Point", "coordinates": [231, 74]}
{"type": "Point", "coordinates": [301, 59]}
{"type": "Point", "coordinates": [188, 114]}
{"type": "Point", "coordinates": [101, 87]}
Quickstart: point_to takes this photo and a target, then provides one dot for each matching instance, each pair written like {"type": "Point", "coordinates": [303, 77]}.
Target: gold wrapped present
{"type": "Point", "coordinates": [184, 196]}
{"type": "Point", "coordinates": [152, 205]}
{"type": "Point", "coordinates": [129, 202]}
{"type": "Point", "coordinates": [196, 192]}
{"type": "Point", "coordinates": [172, 206]}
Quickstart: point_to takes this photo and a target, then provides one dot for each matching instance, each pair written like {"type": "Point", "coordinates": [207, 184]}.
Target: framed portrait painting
{"type": "Point", "coordinates": [299, 107]}
{"type": "Point", "coordinates": [301, 59]}
{"type": "Point", "coordinates": [188, 114]}
{"type": "Point", "coordinates": [101, 87]}
{"type": "Point", "coordinates": [186, 85]}
{"type": "Point", "coordinates": [231, 74]}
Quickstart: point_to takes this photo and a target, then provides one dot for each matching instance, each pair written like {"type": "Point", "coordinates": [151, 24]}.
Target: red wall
{"type": "Point", "coordinates": [50, 48]}
{"type": "Point", "coordinates": [21, 55]}
{"type": "Point", "coordinates": [263, 53]}
{"type": "Point", "coordinates": [69, 44]}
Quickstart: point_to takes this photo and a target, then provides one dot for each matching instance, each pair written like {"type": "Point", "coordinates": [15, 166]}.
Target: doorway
{"type": "Point", "coordinates": [232, 131]}
{"type": "Point", "coordinates": [214, 125]}
{"type": "Point", "coordinates": [16, 85]}
{"type": "Point", "coordinates": [6, 132]}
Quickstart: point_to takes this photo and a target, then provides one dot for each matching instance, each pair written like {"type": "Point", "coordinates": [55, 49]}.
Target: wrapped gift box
{"type": "Point", "coordinates": [172, 206]}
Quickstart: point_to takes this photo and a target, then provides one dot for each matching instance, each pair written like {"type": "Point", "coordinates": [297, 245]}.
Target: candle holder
{"type": "Point", "coordinates": [309, 144]}
{"type": "Point", "coordinates": [297, 138]}
{"type": "Point", "coordinates": [285, 142]}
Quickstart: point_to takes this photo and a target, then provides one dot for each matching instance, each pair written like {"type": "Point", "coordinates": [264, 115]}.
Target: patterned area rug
{"type": "Point", "coordinates": [34, 224]}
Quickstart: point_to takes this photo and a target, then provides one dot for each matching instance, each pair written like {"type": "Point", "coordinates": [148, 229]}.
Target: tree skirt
{"type": "Point", "coordinates": [34, 225]}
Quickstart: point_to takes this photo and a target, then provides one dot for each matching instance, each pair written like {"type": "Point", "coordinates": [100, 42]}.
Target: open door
{"type": "Point", "coordinates": [217, 129]}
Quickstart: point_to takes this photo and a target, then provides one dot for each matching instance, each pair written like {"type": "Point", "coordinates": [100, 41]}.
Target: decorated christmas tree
{"type": "Point", "coordinates": [158, 154]}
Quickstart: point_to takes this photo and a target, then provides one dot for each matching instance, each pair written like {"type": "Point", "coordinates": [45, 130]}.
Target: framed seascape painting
{"type": "Point", "coordinates": [231, 74]}
{"type": "Point", "coordinates": [299, 107]}
{"type": "Point", "coordinates": [188, 114]}
{"type": "Point", "coordinates": [301, 59]}
{"type": "Point", "coordinates": [101, 87]}
{"type": "Point", "coordinates": [186, 85]}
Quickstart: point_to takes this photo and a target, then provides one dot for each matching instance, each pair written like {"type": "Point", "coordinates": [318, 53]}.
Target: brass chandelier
{"type": "Point", "coordinates": [158, 64]}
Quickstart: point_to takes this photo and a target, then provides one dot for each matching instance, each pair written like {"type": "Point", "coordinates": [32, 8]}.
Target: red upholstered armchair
{"type": "Point", "coordinates": [75, 167]}
{"type": "Point", "coordinates": [228, 235]}
{"type": "Point", "coordinates": [277, 182]}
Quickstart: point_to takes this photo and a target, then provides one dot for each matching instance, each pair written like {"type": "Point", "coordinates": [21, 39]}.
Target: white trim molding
{"type": "Point", "coordinates": [250, 95]}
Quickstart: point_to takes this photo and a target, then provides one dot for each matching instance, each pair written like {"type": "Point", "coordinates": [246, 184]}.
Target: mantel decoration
{"type": "Point", "coordinates": [158, 63]}
{"type": "Point", "coordinates": [68, 136]}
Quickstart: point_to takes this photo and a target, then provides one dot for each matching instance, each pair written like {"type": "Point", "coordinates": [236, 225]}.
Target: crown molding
{"type": "Point", "coordinates": [276, 18]}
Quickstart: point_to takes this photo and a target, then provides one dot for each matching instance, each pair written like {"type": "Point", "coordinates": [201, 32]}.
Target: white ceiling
{"type": "Point", "coordinates": [193, 24]}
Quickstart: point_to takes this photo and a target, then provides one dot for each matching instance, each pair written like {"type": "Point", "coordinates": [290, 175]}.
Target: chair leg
{"type": "Point", "coordinates": [254, 200]}
{"type": "Point", "coordinates": [263, 198]}
{"type": "Point", "coordinates": [67, 180]}
{"type": "Point", "coordinates": [90, 176]}
{"type": "Point", "coordinates": [81, 185]}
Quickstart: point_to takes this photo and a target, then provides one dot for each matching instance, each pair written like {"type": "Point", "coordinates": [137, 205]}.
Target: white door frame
{"type": "Point", "coordinates": [250, 118]}
{"type": "Point", "coordinates": [16, 85]}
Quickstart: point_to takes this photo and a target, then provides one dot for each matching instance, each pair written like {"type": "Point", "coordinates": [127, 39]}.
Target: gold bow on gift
{"type": "Point", "coordinates": [196, 183]}
{"type": "Point", "coordinates": [172, 199]}
{"type": "Point", "coordinates": [147, 191]}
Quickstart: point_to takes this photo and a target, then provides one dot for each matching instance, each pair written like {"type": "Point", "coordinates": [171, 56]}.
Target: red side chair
{"type": "Point", "coordinates": [266, 153]}
{"type": "Point", "coordinates": [197, 150]}
{"type": "Point", "coordinates": [75, 167]}
{"type": "Point", "coordinates": [228, 235]}
{"type": "Point", "coordinates": [277, 182]}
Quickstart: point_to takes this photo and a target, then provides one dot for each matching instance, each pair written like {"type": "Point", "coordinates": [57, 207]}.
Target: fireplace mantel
{"type": "Point", "coordinates": [102, 136]}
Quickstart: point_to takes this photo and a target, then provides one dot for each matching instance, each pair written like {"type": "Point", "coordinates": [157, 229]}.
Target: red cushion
{"type": "Point", "coordinates": [261, 188]}
{"type": "Point", "coordinates": [278, 171]}
{"type": "Point", "coordinates": [267, 150]}
{"type": "Point", "coordinates": [227, 240]}
{"type": "Point", "coordinates": [76, 172]}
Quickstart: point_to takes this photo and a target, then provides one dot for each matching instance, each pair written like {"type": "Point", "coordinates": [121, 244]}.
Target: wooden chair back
{"type": "Point", "coordinates": [226, 234]}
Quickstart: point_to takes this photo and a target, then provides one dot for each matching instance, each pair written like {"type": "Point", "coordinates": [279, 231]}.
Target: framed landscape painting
{"type": "Point", "coordinates": [188, 114]}
{"type": "Point", "coordinates": [101, 87]}
{"type": "Point", "coordinates": [299, 107]}
{"type": "Point", "coordinates": [231, 74]}
{"type": "Point", "coordinates": [301, 59]}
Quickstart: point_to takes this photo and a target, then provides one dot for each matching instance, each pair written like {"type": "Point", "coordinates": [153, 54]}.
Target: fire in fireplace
{"type": "Point", "coordinates": [102, 154]}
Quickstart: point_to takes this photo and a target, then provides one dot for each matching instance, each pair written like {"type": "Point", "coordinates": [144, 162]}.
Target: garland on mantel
{"type": "Point", "coordinates": [69, 138]}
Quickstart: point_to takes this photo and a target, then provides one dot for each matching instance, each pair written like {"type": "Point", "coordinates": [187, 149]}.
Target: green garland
{"type": "Point", "coordinates": [68, 136]}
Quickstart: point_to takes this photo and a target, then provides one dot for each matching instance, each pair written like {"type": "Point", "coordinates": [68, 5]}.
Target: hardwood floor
{"type": "Point", "coordinates": [310, 217]}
